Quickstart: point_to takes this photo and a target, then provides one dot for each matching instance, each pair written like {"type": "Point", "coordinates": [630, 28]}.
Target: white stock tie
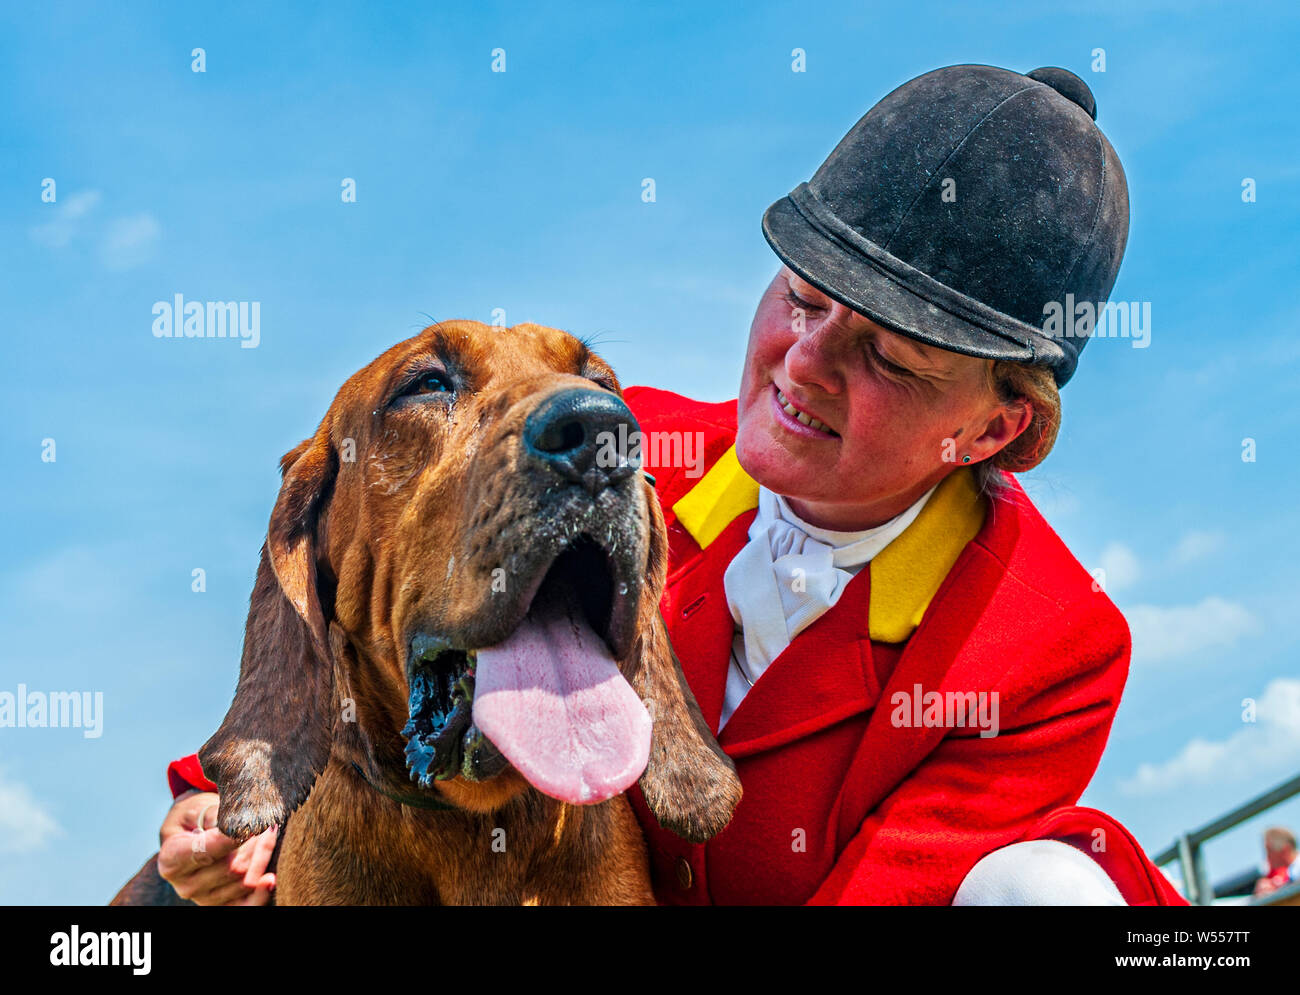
{"type": "Point", "coordinates": [787, 576]}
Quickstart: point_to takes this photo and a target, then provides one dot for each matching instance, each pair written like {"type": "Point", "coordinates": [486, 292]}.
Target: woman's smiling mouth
{"type": "Point", "coordinates": [798, 420]}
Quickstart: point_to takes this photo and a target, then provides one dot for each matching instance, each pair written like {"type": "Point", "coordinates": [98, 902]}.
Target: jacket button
{"type": "Point", "coordinates": [684, 875]}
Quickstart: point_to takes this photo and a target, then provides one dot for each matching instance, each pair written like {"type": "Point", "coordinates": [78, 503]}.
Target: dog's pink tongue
{"type": "Point", "coordinates": [553, 702]}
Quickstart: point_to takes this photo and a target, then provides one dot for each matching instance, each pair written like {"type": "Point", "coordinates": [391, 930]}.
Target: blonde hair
{"type": "Point", "coordinates": [1034, 385]}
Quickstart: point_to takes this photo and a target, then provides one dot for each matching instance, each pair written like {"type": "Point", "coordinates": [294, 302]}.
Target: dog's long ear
{"type": "Point", "coordinates": [275, 739]}
{"type": "Point", "coordinates": [690, 784]}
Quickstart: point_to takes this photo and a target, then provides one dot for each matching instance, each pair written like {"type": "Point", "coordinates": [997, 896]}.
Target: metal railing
{"type": "Point", "coordinates": [1187, 849]}
{"type": "Point", "coordinates": [1286, 895]}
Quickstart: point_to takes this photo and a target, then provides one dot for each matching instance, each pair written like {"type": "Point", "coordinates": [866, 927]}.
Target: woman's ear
{"type": "Point", "coordinates": [1005, 424]}
{"type": "Point", "coordinates": [276, 737]}
{"type": "Point", "coordinates": [689, 784]}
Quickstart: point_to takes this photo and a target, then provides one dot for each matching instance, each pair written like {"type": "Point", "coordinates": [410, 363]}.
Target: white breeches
{"type": "Point", "coordinates": [1038, 872]}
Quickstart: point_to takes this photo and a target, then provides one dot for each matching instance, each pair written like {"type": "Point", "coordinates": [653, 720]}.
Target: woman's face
{"type": "Point", "coordinates": [885, 410]}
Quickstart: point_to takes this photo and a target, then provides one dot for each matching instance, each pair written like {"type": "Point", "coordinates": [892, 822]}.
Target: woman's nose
{"type": "Point", "coordinates": [813, 358]}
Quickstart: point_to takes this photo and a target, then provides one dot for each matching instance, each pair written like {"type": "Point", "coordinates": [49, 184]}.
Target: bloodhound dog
{"type": "Point", "coordinates": [454, 662]}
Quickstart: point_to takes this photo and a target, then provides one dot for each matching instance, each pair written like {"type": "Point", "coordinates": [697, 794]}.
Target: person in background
{"type": "Point", "coordinates": [1283, 861]}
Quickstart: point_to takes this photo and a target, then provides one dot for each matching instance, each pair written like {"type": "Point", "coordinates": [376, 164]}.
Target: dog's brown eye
{"type": "Point", "coordinates": [426, 387]}
{"type": "Point", "coordinates": [429, 382]}
{"type": "Point", "coordinates": [434, 383]}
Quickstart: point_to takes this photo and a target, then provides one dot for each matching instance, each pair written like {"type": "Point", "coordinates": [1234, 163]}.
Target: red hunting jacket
{"type": "Point", "coordinates": [854, 792]}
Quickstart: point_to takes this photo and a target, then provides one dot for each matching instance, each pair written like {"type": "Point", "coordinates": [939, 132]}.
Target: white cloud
{"type": "Point", "coordinates": [67, 220]}
{"type": "Point", "coordinates": [25, 825]}
{"type": "Point", "coordinates": [1166, 633]}
{"type": "Point", "coordinates": [1197, 545]}
{"type": "Point", "coordinates": [1120, 565]}
{"type": "Point", "coordinates": [123, 242]}
{"type": "Point", "coordinates": [130, 241]}
{"type": "Point", "coordinates": [1271, 742]}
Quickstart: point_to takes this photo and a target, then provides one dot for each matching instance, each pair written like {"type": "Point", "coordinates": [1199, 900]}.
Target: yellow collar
{"type": "Point", "coordinates": [904, 575]}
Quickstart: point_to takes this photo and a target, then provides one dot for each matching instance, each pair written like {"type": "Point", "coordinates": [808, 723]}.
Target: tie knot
{"type": "Point", "coordinates": [788, 539]}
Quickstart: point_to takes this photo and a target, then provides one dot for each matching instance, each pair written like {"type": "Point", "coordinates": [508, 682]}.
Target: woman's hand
{"type": "Point", "coordinates": [207, 867]}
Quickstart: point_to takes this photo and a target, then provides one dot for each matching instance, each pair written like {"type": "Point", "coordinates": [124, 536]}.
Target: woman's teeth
{"type": "Point", "coordinates": [795, 413]}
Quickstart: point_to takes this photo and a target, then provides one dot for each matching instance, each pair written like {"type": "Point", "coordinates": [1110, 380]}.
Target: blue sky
{"type": "Point", "coordinates": [522, 191]}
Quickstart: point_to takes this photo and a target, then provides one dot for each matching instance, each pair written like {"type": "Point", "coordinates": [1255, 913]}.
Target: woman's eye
{"type": "Point", "coordinates": [891, 368]}
{"type": "Point", "coordinates": [795, 300]}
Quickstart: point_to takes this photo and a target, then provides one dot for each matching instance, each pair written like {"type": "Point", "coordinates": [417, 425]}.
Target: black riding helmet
{"type": "Point", "coordinates": [962, 206]}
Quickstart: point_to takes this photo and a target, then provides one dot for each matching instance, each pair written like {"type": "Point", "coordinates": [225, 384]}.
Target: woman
{"type": "Point", "coordinates": [914, 676]}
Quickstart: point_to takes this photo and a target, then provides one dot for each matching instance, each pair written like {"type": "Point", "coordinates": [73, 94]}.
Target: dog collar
{"type": "Point", "coordinates": [413, 801]}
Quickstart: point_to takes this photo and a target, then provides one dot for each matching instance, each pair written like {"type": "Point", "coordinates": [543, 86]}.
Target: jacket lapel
{"type": "Point", "coordinates": [702, 626]}
{"type": "Point", "coordinates": [824, 676]}
{"type": "Point", "coordinates": [941, 656]}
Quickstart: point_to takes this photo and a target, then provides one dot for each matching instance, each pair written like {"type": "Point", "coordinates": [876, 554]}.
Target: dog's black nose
{"type": "Point", "coordinates": [589, 437]}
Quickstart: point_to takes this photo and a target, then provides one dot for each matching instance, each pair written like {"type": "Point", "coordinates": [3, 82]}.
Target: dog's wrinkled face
{"type": "Point", "coordinates": [490, 545]}
{"type": "Point", "coordinates": [459, 597]}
